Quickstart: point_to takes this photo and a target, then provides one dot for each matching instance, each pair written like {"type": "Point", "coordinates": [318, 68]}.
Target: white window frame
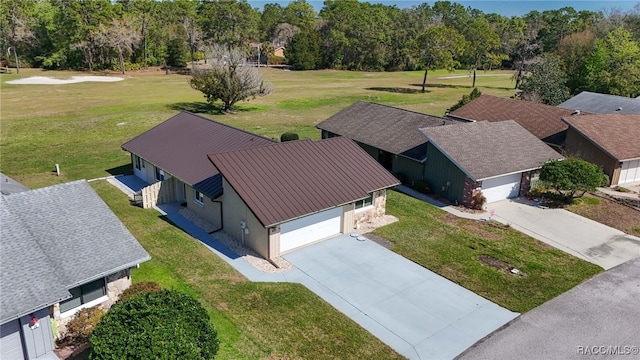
{"type": "Point", "coordinates": [364, 204]}
{"type": "Point", "coordinates": [88, 304]}
{"type": "Point", "coordinates": [198, 197]}
{"type": "Point", "coordinates": [159, 174]}
{"type": "Point", "coordinates": [137, 162]}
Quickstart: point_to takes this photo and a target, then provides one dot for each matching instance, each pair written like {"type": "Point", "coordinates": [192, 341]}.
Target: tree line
{"type": "Point", "coordinates": [584, 50]}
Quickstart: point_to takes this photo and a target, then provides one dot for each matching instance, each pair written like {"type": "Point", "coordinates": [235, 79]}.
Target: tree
{"type": "Point", "coordinates": [573, 176]}
{"type": "Point", "coordinates": [546, 82]}
{"type": "Point", "coordinates": [438, 48]}
{"type": "Point", "coordinates": [15, 26]}
{"type": "Point", "coordinates": [229, 79]}
{"type": "Point", "coordinates": [573, 50]}
{"type": "Point", "coordinates": [305, 51]}
{"type": "Point", "coordinates": [481, 41]}
{"type": "Point", "coordinates": [474, 94]}
{"type": "Point", "coordinates": [120, 35]}
{"type": "Point", "coordinates": [166, 324]}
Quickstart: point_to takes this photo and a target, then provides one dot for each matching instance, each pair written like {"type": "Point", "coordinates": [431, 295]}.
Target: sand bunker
{"type": "Point", "coordinates": [44, 80]}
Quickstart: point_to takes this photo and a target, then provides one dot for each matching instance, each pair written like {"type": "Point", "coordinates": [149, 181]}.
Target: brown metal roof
{"type": "Point", "coordinates": [484, 149]}
{"type": "Point", "coordinates": [180, 145]}
{"type": "Point", "coordinates": [616, 134]}
{"type": "Point", "coordinates": [384, 127]}
{"type": "Point", "coordinates": [543, 121]}
{"type": "Point", "coordinates": [288, 180]}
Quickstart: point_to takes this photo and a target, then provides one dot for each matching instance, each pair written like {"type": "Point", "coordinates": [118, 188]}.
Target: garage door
{"type": "Point", "coordinates": [630, 172]}
{"type": "Point", "coordinates": [308, 229]}
{"type": "Point", "coordinates": [10, 342]}
{"type": "Point", "coordinates": [501, 188]}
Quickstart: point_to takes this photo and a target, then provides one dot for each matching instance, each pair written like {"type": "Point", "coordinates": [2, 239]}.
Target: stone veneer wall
{"type": "Point", "coordinates": [378, 209]}
{"type": "Point", "coordinates": [116, 284]}
{"type": "Point", "coordinates": [467, 195]}
{"type": "Point", "coordinates": [525, 183]}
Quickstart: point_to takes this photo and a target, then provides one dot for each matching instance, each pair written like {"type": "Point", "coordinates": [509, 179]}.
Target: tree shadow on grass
{"type": "Point", "coordinates": [398, 90]}
{"type": "Point", "coordinates": [442, 86]}
{"type": "Point", "coordinates": [125, 169]}
{"type": "Point", "coordinates": [197, 107]}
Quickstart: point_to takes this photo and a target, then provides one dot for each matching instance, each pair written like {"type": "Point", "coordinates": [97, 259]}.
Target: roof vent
{"type": "Point", "coordinates": [576, 112]}
{"type": "Point", "coordinates": [619, 109]}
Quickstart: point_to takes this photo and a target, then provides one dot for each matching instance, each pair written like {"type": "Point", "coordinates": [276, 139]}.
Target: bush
{"type": "Point", "coordinates": [82, 325]}
{"type": "Point", "coordinates": [477, 200]}
{"type": "Point", "coordinates": [289, 137]}
{"type": "Point", "coordinates": [140, 288]}
{"type": "Point", "coordinates": [474, 94]}
{"type": "Point", "coordinates": [166, 324]}
{"type": "Point", "coordinates": [573, 177]}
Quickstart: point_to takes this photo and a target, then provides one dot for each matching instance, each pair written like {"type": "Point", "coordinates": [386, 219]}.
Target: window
{"type": "Point", "coordinates": [159, 174]}
{"type": "Point", "coordinates": [138, 162]}
{"type": "Point", "coordinates": [364, 202]}
{"type": "Point", "coordinates": [84, 294]}
{"type": "Point", "coordinates": [199, 197]}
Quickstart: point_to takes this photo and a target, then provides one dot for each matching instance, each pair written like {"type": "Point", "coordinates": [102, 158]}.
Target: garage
{"type": "Point", "coordinates": [10, 341]}
{"type": "Point", "coordinates": [630, 172]}
{"type": "Point", "coordinates": [500, 188]}
{"type": "Point", "coordinates": [309, 229]}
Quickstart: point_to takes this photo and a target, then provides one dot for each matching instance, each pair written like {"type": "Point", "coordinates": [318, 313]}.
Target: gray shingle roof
{"type": "Point", "coordinates": [180, 146]}
{"type": "Point", "coordinates": [57, 238]}
{"type": "Point", "coordinates": [485, 149]}
{"type": "Point", "coordinates": [291, 179]}
{"type": "Point", "coordinates": [384, 127]}
{"type": "Point", "coordinates": [602, 103]}
{"type": "Point", "coordinates": [10, 186]}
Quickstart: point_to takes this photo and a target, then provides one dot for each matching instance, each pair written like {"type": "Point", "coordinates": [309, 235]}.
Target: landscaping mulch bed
{"type": "Point", "coordinates": [608, 212]}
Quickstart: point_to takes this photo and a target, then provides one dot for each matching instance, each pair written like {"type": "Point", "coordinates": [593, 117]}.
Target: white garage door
{"type": "Point", "coordinates": [10, 343]}
{"type": "Point", "coordinates": [501, 188]}
{"type": "Point", "coordinates": [630, 172]}
{"type": "Point", "coordinates": [308, 229]}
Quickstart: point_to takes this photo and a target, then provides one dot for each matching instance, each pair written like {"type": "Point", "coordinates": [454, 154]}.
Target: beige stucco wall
{"type": "Point", "coordinates": [235, 211]}
{"type": "Point", "coordinates": [208, 210]}
{"type": "Point", "coordinates": [348, 218]}
{"type": "Point", "coordinates": [378, 209]}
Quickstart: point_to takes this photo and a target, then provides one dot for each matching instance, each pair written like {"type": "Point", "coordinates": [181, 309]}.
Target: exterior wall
{"type": "Point", "coordinates": [373, 152]}
{"type": "Point", "coordinates": [209, 210]}
{"type": "Point", "coordinates": [525, 182]}
{"type": "Point", "coordinates": [370, 213]}
{"type": "Point", "coordinates": [470, 188]}
{"type": "Point", "coordinates": [413, 170]}
{"type": "Point", "coordinates": [443, 176]}
{"type": "Point", "coordinates": [577, 145]}
{"type": "Point", "coordinates": [235, 211]}
{"type": "Point", "coordinates": [348, 218]}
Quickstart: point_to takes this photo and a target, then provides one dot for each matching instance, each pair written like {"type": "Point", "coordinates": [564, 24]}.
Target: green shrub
{"type": "Point", "coordinates": [478, 200]}
{"type": "Point", "coordinates": [140, 288]}
{"type": "Point", "coordinates": [82, 324]}
{"type": "Point", "coordinates": [166, 324]}
{"type": "Point", "coordinates": [289, 137]}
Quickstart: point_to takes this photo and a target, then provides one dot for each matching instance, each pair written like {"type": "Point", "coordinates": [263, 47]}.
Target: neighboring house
{"type": "Point", "coordinates": [602, 103]}
{"type": "Point", "coordinates": [390, 135]}
{"type": "Point", "coordinates": [279, 51]}
{"type": "Point", "coordinates": [286, 195]}
{"type": "Point", "coordinates": [9, 186]}
{"type": "Point", "coordinates": [173, 155]}
{"type": "Point", "coordinates": [611, 141]}
{"type": "Point", "coordinates": [543, 121]}
{"type": "Point", "coordinates": [498, 158]}
{"type": "Point", "coordinates": [62, 250]}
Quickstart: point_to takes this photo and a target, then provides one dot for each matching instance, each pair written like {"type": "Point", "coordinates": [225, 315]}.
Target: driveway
{"type": "Point", "coordinates": [419, 314]}
{"type": "Point", "coordinates": [574, 234]}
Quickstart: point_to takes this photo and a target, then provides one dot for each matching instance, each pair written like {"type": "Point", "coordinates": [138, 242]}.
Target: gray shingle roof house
{"type": "Point", "coordinates": [62, 250]}
{"type": "Point", "coordinates": [611, 141]}
{"type": "Point", "coordinates": [286, 195]}
{"type": "Point", "coordinates": [10, 186]}
{"type": "Point", "coordinates": [602, 103]}
{"type": "Point", "coordinates": [543, 121]}
{"type": "Point", "coordinates": [498, 158]}
{"type": "Point", "coordinates": [389, 134]}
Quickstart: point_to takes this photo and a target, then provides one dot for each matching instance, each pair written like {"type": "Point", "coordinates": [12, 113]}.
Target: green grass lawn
{"type": "Point", "coordinates": [453, 247]}
{"type": "Point", "coordinates": [253, 320]}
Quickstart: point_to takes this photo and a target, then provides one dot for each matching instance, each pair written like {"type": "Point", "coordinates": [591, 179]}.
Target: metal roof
{"type": "Point", "coordinates": [602, 103]}
{"type": "Point", "coordinates": [384, 127]}
{"type": "Point", "coordinates": [484, 149]}
{"type": "Point", "coordinates": [543, 121]}
{"type": "Point", "coordinates": [616, 134]}
{"type": "Point", "coordinates": [180, 146]}
{"type": "Point", "coordinates": [56, 238]}
{"type": "Point", "coordinates": [288, 180]}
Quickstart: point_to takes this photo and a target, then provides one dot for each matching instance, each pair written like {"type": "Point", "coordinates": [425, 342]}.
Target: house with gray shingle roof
{"type": "Point", "coordinates": [602, 103]}
{"type": "Point", "coordinates": [611, 141]}
{"type": "Point", "coordinates": [497, 158]}
{"type": "Point", "coordinates": [62, 250]}
{"type": "Point", "coordinates": [389, 134]}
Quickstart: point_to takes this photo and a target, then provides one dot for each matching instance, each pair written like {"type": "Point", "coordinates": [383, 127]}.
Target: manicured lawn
{"type": "Point", "coordinates": [454, 247]}
{"type": "Point", "coordinates": [253, 320]}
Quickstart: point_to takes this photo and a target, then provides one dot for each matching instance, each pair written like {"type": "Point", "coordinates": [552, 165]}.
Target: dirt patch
{"type": "Point", "coordinates": [379, 240]}
{"type": "Point", "coordinates": [499, 264]}
{"type": "Point", "coordinates": [610, 213]}
{"type": "Point", "coordinates": [74, 352]}
{"type": "Point", "coordinates": [489, 230]}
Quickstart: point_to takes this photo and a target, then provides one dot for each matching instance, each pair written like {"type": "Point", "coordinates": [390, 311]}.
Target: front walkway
{"type": "Point", "coordinates": [418, 313]}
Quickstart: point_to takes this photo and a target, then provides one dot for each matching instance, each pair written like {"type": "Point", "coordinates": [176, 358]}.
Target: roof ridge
{"type": "Point", "coordinates": [402, 109]}
{"type": "Point", "coordinates": [223, 124]}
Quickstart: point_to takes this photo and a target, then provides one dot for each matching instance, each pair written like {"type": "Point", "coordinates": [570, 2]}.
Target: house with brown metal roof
{"type": "Point", "coordinates": [282, 196]}
{"type": "Point", "coordinates": [173, 157]}
{"type": "Point", "coordinates": [389, 134]}
{"type": "Point", "coordinates": [497, 158]}
{"type": "Point", "coordinates": [611, 141]}
{"type": "Point", "coordinates": [543, 121]}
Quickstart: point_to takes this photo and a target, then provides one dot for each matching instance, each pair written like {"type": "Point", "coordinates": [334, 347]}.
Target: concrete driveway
{"type": "Point", "coordinates": [574, 234]}
{"type": "Point", "coordinates": [419, 314]}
